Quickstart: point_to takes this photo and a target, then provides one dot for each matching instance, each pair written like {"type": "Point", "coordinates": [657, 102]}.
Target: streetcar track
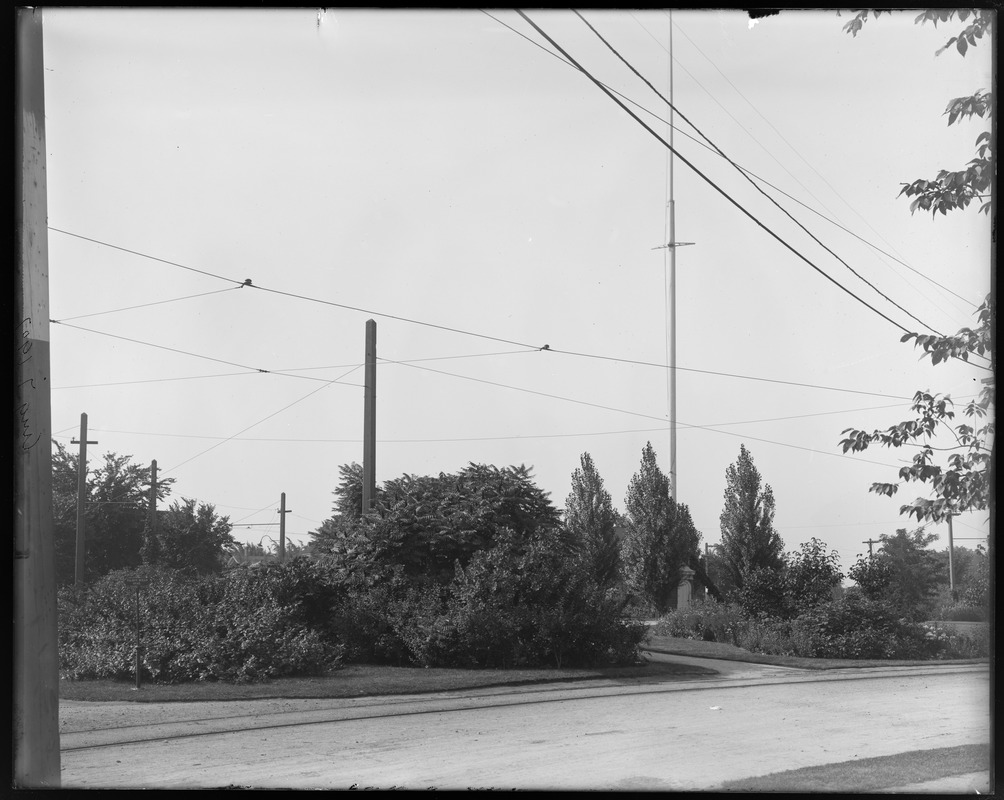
{"type": "Point", "coordinates": [331, 716]}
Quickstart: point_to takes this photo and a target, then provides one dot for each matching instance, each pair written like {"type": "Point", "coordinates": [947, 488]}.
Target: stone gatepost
{"type": "Point", "coordinates": [685, 589]}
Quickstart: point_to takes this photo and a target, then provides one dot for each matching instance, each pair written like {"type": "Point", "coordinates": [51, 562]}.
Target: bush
{"type": "Point", "coordinates": [960, 612]}
{"type": "Point", "coordinates": [857, 627]}
{"type": "Point", "coordinates": [706, 620]}
{"type": "Point", "coordinates": [526, 602]}
{"type": "Point", "coordinates": [246, 625]}
{"type": "Point", "coordinates": [948, 643]}
{"type": "Point", "coordinates": [97, 627]}
{"type": "Point", "coordinates": [853, 627]}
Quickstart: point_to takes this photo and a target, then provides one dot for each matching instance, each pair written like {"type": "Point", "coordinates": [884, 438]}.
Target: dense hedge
{"type": "Point", "coordinates": [522, 603]}
{"type": "Point", "coordinates": [242, 626]}
{"type": "Point", "coordinates": [851, 627]}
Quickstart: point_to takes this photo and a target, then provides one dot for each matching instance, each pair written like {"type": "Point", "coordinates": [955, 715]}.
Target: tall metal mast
{"type": "Point", "coordinates": [671, 319]}
{"type": "Point", "coordinates": [670, 270]}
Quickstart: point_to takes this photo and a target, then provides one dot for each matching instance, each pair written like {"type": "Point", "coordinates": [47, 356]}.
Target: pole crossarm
{"type": "Point", "coordinates": [673, 245]}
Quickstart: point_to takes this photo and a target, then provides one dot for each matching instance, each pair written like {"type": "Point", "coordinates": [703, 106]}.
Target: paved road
{"type": "Point", "coordinates": [683, 735]}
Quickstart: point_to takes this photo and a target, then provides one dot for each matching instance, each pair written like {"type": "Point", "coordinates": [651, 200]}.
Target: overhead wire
{"type": "Point", "coordinates": [783, 210]}
{"type": "Point", "coordinates": [529, 347]}
{"type": "Point", "coordinates": [580, 434]}
{"type": "Point", "coordinates": [259, 422]}
{"type": "Point", "coordinates": [804, 160]}
{"type": "Point", "coordinates": [195, 355]}
{"type": "Point", "coordinates": [285, 371]}
{"type": "Point", "coordinates": [748, 171]}
{"type": "Point", "coordinates": [746, 212]}
{"type": "Point", "coordinates": [147, 305]}
{"type": "Point", "coordinates": [637, 414]}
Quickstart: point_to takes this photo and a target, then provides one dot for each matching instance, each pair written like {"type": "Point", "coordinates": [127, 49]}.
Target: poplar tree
{"type": "Point", "coordinates": [749, 539]}
{"type": "Point", "coordinates": [661, 537]}
{"type": "Point", "coordinates": [591, 521]}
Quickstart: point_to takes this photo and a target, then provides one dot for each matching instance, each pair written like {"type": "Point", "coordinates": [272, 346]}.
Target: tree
{"type": "Point", "coordinates": [749, 539]}
{"type": "Point", "coordinates": [963, 484]}
{"type": "Point", "coordinates": [808, 578]}
{"type": "Point", "coordinates": [903, 572]}
{"type": "Point", "coordinates": [349, 494]}
{"type": "Point", "coordinates": [590, 520]}
{"type": "Point", "coordinates": [951, 190]}
{"type": "Point", "coordinates": [190, 535]}
{"type": "Point", "coordinates": [661, 536]}
{"type": "Point", "coordinates": [426, 524]}
{"type": "Point", "coordinates": [116, 509]}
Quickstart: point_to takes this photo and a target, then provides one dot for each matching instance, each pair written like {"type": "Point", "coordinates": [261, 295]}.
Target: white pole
{"type": "Point", "coordinates": [672, 283]}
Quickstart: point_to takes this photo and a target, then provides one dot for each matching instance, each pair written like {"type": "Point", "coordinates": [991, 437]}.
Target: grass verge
{"type": "Point", "coordinates": [701, 649]}
{"type": "Point", "coordinates": [871, 774]}
{"type": "Point", "coordinates": [360, 680]}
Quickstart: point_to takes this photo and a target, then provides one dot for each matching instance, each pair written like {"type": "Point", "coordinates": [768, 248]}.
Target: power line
{"type": "Point", "coordinates": [806, 162]}
{"type": "Point", "coordinates": [317, 440]}
{"type": "Point", "coordinates": [302, 297]}
{"type": "Point", "coordinates": [729, 374]}
{"type": "Point", "coordinates": [757, 187]}
{"type": "Point", "coordinates": [285, 371]}
{"type": "Point", "coordinates": [147, 305]}
{"type": "Point", "coordinates": [195, 355]}
{"type": "Point", "coordinates": [288, 373]}
{"type": "Point", "coordinates": [639, 414]}
{"type": "Point", "coordinates": [155, 380]}
{"type": "Point", "coordinates": [744, 169]}
{"type": "Point", "coordinates": [259, 422]}
{"type": "Point", "coordinates": [708, 180]}
{"type": "Point", "coordinates": [144, 255]}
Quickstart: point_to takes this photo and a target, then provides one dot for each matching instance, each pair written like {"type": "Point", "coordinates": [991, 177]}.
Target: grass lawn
{"type": "Point", "coordinates": [728, 652]}
{"type": "Point", "coordinates": [359, 680]}
{"type": "Point", "coordinates": [872, 774]}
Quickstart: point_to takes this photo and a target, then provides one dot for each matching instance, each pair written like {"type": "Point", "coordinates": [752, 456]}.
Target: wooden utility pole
{"type": "Point", "coordinates": [81, 499]}
{"type": "Point", "coordinates": [283, 511]}
{"type": "Point", "coordinates": [35, 708]}
{"type": "Point", "coordinates": [150, 545]}
{"type": "Point", "coordinates": [870, 542]}
{"type": "Point", "coordinates": [369, 420]}
{"type": "Point", "coordinates": [951, 557]}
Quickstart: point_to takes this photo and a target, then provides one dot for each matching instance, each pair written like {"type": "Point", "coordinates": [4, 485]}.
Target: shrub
{"type": "Point", "coordinates": [526, 602]}
{"type": "Point", "coordinates": [766, 635]}
{"type": "Point", "coordinates": [856, 627]}
{"type": "Point", "coordinates": [97, 627]}
{"type": "Point", "coordinates": [946, 642]}
{"type": "Point", "coordinates": [246, 625]}
{"type": "Point", "coordinates": [706, 620]}
{"type": "Point", "coordinates": [961, 612]}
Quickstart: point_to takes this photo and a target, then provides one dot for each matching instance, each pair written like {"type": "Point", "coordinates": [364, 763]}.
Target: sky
{"type": "Point", "coordinates": [449, 175]}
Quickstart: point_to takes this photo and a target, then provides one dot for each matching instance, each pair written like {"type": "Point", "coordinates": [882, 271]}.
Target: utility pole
{"type": "Point", "coordinates": [35, 706]}
{"type": "Point", "coordinates": [150, 545]}
{"type": "Point", "coordinates": [870, 542]}
{"type": "Point", "coordinates": [283, 511]}
{"type": "Point", "coordinates": [369, 420]}
{"type": "Point", "coordinates": [951, 558]}
{"type": "Point", "coordinates": [81, 499]}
